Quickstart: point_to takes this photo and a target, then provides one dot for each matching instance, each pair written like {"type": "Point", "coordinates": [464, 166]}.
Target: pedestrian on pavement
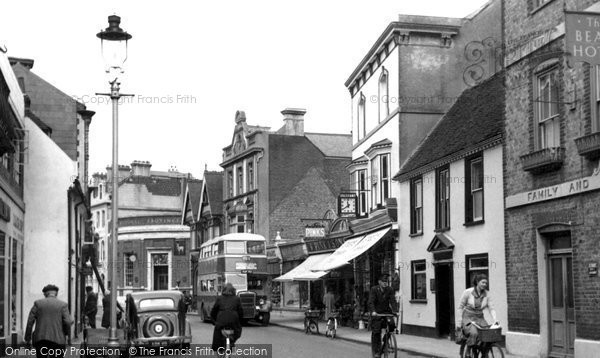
{"type": "Point", "coordinates": [329, 302]}
{"type": "Point", "coordinates": [472, 303]}
{"type": "Point", "coordinates": [52, 322]}
{"type": "Point", "coordinates": [381, 301]}
{"type": "Point", "coordinates": [184, 304]}
{"type": "Point", "coordinates": [106, 310]}
{"type": "Point", "coordinates": [226, 313]}
{"type": "Point", "coordinates": [91, 306]}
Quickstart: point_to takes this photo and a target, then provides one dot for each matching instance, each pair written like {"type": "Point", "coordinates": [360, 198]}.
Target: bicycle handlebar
{"type": "Point", "coordinates": [386, 315]}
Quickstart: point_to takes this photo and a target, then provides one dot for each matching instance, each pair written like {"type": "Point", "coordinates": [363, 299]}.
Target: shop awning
{"type": "Point", "coordinates": [303, 272]}
{"type": "Point", "coordinates": [350, 250]}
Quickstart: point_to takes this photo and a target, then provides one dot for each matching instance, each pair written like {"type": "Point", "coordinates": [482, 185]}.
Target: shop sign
{"type": "Point", "coordinates": [323, 245]}
{"type": "Point", "coordinates": [314, 232]}
{"type": "Point", "coordinates": [582, 34]}
{"type": "Point", "coordinates": [150, 220]}
{"type": "Point", "coordinates": [572, 187]}
{"type": "Point", "coordinates": [272, 253]}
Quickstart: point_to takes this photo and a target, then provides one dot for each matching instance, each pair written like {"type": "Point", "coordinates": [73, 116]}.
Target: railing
{"type": "Point", "coordinates": [589, 146]}
{"type": "Point", "coordinates": [545, 160]}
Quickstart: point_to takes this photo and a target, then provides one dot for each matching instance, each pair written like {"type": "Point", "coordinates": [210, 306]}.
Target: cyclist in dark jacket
{"type": "Point", "coordinates": [381, 300]}
{"type": "Point", "coordinates": [226, 313]}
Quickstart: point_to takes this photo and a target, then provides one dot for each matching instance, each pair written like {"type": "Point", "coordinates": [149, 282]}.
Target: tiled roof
{"type": "Point", "coordinates": [475, 119]}
{"type": "Point", "coordinates": [332, 145]}
{"type": "Point", "coordinates": [195, 192]}
{"type": "Point", "coordinates": [335, 174]}
{"type": "Point", "coordinates": [214, 190]}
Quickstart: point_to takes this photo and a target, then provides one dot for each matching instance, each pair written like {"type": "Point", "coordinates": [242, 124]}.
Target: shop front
{"type": "Point", "coordinates": [294, 294]}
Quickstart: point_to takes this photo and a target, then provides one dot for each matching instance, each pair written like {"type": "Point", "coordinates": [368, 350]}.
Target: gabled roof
{"type": "Point", "coordinates": [213, 184]}
{"type": "Point", "coordinates": [474, 122]}
{"type": "Point", "coordinates": [194, 192]}
{"type": "Point", "coordinates": [332, 145]}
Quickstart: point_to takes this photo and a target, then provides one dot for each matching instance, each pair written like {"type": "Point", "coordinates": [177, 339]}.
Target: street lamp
{"type": "Point", "coordinates": [113, 43]}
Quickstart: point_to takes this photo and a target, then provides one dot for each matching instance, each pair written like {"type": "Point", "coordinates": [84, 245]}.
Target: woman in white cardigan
{"type": "Point", "coordinates": [472, 303]}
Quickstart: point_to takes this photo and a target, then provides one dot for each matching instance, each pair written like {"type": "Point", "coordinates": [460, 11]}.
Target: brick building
{"type": "Point", "coordinates": [551, 185]}
{"type": "Point", "coordinates": [276, 183]}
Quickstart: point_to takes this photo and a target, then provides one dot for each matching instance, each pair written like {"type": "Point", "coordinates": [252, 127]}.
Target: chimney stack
{"type": "Point", "coordinates": [140, 168]}
{"type": "Point", "coordinates": [293, 119]}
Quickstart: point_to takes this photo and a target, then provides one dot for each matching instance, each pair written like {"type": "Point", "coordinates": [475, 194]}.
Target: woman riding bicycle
{"type": "Point", "coordinates": [472, 303]}
{"type": "Point", "coordinates": [226, 313]}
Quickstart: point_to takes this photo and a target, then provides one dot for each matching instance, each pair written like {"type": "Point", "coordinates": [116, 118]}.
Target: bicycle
{"type": "Point", "coordinates": [311, 321]}
{"type": "Point", "coordinates": [487, 345]}
{"type": "Point", "coordinates": [332, 324]}
{"type": "Point", "coordinates": [389, 346]}
{"type": "Point", "coordinates": [227, 333]}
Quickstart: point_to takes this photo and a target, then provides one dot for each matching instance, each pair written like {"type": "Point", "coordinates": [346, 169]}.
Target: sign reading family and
{"type": "Point", "coordinates": [582, 34]}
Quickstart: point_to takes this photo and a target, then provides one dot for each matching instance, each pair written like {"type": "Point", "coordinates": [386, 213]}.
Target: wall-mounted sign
{"type": "Point", "coordinates": [593, 269]}
{"type": "Point", "coordinates": [323, 245]}
{"type": "Point", "coordinates": [150, 220]}
{"type": "Point", "coordinates": [554, 192]}
{"type": "Point", "coordinates": [179, 249]}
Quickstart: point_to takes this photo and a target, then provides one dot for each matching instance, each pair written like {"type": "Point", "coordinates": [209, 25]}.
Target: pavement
{"type": "Point", "coordinates": [430, 347]}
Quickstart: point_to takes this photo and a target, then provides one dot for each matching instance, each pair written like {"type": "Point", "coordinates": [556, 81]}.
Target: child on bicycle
{"type": "Point", "coordinates": [381, 300]}
{"type": "Point", "coordinates": [472, 303]}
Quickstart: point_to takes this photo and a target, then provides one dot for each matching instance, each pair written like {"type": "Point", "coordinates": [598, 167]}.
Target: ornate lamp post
{"type": "Point", "coordinates": [114, 50]}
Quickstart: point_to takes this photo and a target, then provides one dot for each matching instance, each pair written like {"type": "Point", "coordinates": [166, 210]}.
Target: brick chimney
{"type": "Point", "coordinates": [293, 119]}
{"type": "Point", "coordinates": [140, 168]}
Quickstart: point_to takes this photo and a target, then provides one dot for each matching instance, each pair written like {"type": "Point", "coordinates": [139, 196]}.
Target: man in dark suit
{"type": "Point", "coordinates": [91, 306]}
{"type": "Point", "coordinates": [52, 323]}
{"type": "Point", "coordinates": [381, 300]}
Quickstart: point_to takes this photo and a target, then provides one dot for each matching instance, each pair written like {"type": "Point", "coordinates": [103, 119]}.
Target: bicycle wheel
{"type": "Point", "coordinates": [313, 328]}
{"type": "Point", "coordinates": [389, 346]}
{"type": "Point", "coordinates": [494, 351]}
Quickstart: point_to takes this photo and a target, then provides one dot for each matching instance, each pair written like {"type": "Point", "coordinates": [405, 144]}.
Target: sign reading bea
{"type": "Point", "coordinates": [582, 33]}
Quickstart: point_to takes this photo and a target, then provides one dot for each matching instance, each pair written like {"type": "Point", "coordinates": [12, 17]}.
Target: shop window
{"type": "Point", "coordinates": [419, 277]}
{"type": "Point", "coordinates": [2, 286]}
{"type": "Point", "coordinates": [546, 109]}
{"type": "Point", "coordinates": [474, 189]}
{"type": "Point", "coordinates": [416, 205]}
{"type": "Point", "coordinates": [443, 198]}
{"type": "Point", "coordinates": [476, 264]}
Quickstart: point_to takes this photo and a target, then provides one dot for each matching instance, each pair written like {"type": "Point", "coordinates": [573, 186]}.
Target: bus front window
{"type": "Point", "coordinates": [256, 247]}
{"type": "Point", "coordinates": [235, 247]}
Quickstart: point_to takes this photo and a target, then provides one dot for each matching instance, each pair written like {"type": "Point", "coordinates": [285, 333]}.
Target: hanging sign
{"type": "Point", "coordinates": [582, 34]}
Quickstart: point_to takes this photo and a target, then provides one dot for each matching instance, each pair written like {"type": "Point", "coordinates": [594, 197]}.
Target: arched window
{"type": "Point", "coordinates": [103, 218]}
{"type": "Point", "coordinates": [102, 253]}
{"type": "Point", "coordinates": [384, 107]}
{"type": "Point", "coordinates": [100, 191]}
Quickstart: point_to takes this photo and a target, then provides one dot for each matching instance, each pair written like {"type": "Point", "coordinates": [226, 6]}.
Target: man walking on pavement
{"type": "Point", "coordinates": [91, 306]}
{"type": "Point", "coordinates": [381, 300]}
{"type": "Point", "coordinates": [52, 323]}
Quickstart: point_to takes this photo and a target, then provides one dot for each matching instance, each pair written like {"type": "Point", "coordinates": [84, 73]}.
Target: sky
{"type": "Point", "coordinates": [192, 64]}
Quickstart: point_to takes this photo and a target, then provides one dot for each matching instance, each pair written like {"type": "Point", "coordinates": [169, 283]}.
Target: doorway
{"type": "Point", "coordinates": [444, 299]}
{"type": "Point", "coordinates": [161, 277]}
{"type": "Point", "coordinates": [561, 301]}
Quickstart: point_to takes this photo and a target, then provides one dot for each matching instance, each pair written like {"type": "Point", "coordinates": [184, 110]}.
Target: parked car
{"type": "Point", "coordinates": [157, 318]}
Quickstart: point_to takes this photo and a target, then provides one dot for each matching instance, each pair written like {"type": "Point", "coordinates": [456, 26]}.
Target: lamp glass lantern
{"type": "Point", "coordinates": [114, 43]}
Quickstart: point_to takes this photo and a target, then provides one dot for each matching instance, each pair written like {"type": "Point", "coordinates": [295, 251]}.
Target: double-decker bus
{"type": "Point", "coordinates": [239, 259]}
